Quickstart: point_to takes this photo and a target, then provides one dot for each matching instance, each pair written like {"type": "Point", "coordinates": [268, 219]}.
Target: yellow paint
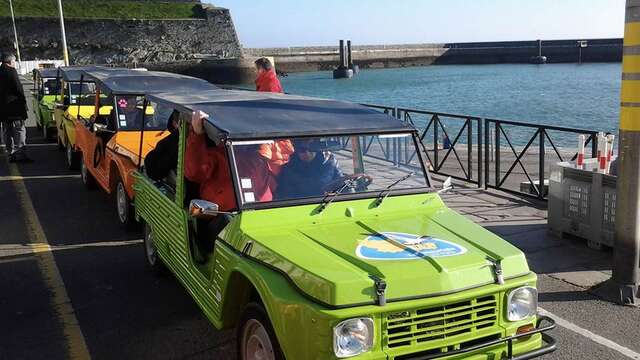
{"type": "Point", "coordinates": [630, 91]}
{"type": "Point", "coordinates": [632, 34]}
{"type": "Point", "coordinates": [37, 177]}
{"type": "Point", "coordinates": [631, 64]}
{"type": "Point", "coordinates": [630, 118]}
{"type": "Point", "coordinates": [60, 302]}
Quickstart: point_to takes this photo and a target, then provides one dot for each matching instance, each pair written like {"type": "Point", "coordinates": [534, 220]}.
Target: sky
{"type": "Point", "coordinates": [284, 23]}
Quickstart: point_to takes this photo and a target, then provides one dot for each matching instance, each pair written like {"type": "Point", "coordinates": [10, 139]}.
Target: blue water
{"type": "Point", "coordinates": [584, 96]}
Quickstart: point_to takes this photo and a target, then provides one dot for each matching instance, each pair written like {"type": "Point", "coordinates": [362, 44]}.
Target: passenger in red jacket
{"type": "Point", "coordinates": [267, 79]}
{"type": "Point", "coordinates": [208, 166]}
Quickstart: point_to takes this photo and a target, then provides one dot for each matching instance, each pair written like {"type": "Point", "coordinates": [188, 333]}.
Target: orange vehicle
{"type": "Point", "coordinates": [112, 146]}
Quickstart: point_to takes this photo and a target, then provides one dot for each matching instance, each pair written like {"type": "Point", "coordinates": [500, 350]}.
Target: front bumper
{"type": "Point", "coordinates": [549, 344]}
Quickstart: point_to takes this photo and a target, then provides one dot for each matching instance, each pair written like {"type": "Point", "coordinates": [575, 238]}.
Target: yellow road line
{"type": "Point", "coordinates": [77, 347]}
{"type": "Point", "coordinates": [37, 177]}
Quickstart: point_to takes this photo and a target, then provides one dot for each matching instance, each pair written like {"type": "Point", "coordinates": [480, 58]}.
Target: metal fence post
{"type": "Point", "coordinates": [486, 153]}
{"type": "Point", "coordinates": [497, 157]}
{"type": "Point", "coordinates": [479, 150]}
{"type": "Point", "coordinates": [436, 121]}
{"type": "Point", "coordinates": [469, 149]}
{"type": "Point", "coordinates": [541, 164]}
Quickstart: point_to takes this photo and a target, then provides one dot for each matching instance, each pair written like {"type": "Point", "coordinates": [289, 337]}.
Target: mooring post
{"type": "Point", "coordinates": [627, 240]}
{"type": "Point", "coordinates": [349, 60]}
{"type": "Point", "coordinates": [342, 62]}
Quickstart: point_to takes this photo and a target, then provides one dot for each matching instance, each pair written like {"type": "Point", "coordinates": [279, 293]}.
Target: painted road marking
{"type": "Point", "coordinates": [18, 250]}
{"type": "Point", "coordinates": [77, 347]}
{"type": "Point", "coordinates": [590, 335]}
{"type": "Point", "coordinates": [37, 177]}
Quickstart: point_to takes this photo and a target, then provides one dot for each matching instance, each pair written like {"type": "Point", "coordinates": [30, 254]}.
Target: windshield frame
{"type": "Point", "coordinates": [317, 200]}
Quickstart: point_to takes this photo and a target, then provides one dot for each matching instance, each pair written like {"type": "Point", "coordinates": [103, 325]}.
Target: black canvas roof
{"type": "Point", "coordinates": [73, 73]}
{"type": "Point", "coordinates": [139, 82]}
{"type": "Point", "coordinates": [47, 73]}
{"type": "Point", "coordinates": [240, 115]}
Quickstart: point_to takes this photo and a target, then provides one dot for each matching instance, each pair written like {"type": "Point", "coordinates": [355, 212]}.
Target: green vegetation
{"type": "Point", "coordinates": [105, 9]}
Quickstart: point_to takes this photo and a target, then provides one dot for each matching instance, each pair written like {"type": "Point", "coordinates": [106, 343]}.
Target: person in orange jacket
{"type": "Point", "coordinates": [208, 166]}
{"type": "Point", "coordinates": [267, 79]}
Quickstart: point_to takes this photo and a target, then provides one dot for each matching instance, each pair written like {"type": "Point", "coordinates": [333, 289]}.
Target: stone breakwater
{"type": "Point", "coordinates": [385, 56]}
{"type": "Point", "coordinates": [113, 41]}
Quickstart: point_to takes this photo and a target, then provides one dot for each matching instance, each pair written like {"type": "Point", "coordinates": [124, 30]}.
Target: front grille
{"type": "Point", "coordinates": [439, 323]}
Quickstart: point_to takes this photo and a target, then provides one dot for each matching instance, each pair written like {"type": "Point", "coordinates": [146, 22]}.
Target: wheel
{"type": "Point", "coordinates": [256, 338]}
{"type": "Point", "coordinates": [153, 261]}
{"type": "Point", "coordinates": [72, 157]}
{"type": "Point", "coordinates": [123, 205]}
{"type": "Point", "coordinates": [45, 133]}
{"type": "Point", "coordinates": [87, 178]}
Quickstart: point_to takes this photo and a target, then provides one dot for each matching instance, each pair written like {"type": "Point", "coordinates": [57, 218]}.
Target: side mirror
{"type": "Point", "coordinates": [446, 186]}
{"type": "Point", "coordinates": [202, 209]}
{"type": "Point", "coordinates": [96, 128]}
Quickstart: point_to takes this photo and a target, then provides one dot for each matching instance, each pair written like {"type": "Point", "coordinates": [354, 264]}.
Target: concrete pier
{"type": "Point", "coordinates": [295, 59]}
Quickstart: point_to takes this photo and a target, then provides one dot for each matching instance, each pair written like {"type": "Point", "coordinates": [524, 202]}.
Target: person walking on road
{"type": "Point", "coordinates": [13, 110]}
{"type": "Point", "coordinates": [267, 79]}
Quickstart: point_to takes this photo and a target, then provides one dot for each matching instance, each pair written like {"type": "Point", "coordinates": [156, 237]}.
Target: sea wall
{"type": "Point", "coordinates": [113, 41]}
{"type": "Point", "coordinates": [378, 56]}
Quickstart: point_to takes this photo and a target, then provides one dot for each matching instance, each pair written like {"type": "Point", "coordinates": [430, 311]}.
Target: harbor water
{"type": "Point", "coordinates": [583, 96]}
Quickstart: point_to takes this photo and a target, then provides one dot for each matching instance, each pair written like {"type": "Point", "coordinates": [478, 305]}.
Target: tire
{"type": "Point", "coordinates": [72, 157]}
{"type": "Point", "coordinates": [126, 212]}
{"type": "Point", "coordinates": [255, 335]}
{"type": "Point", "coordinates": [87, 178]}
{"type": "Point", "coordinates": [153, 261]}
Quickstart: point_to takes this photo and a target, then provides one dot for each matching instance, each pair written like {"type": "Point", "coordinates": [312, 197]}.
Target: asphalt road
{"type": "Point", "coordinates": [91, 278]}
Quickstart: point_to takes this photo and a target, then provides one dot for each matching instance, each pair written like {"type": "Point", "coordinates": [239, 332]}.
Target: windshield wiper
{"type": "Point", "coordinates": [330, 196]}
{"type": "Point", "coordinates": [386, 191]}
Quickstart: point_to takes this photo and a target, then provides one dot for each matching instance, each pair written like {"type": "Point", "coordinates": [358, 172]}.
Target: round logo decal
{"type": "Point", "coordinates": [401, 246]}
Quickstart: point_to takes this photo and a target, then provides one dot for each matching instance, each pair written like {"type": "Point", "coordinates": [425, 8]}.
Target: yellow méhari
{"type": "Point", "coordinates": [77, 99]}
{"type": "Point", "coordinates": [112, 145]}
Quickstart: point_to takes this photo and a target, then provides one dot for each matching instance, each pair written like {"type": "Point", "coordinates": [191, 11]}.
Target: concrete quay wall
{"type": "Point", "coordinates": [296, 59]}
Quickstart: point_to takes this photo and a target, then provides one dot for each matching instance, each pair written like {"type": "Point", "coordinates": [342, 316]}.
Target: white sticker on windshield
{"type": "Point", "coordinates": [246, 183]}
{"type": "Point", "coordinates": [122, 117]}
{"type": "Point", "coordinates": [123, 123]}
{"type": "Point", "coordinates": [249, 197]}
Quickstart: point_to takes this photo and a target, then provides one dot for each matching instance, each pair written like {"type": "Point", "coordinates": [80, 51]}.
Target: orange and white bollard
{"type": "Point", "coordinates": [602, 156]}
{"type": "Point", "coordinates": [580, 158]}
{"type": "Point", "coordinates": [610, 140]}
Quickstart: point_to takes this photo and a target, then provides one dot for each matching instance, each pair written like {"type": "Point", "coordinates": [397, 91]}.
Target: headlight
{"type": "Point", "coordinates": [352, 337]}
{"type": "Point", "coordinates": [522, 303]}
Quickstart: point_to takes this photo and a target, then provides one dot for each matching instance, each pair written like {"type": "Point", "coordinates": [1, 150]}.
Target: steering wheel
{"type": "Point", "coordinates": [362, 181]}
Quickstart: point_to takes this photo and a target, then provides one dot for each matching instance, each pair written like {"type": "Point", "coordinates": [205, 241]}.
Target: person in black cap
{"type": "Point", "coordinates": [308, 171]}
{"type": "Point", "coordinates": [164, 157]}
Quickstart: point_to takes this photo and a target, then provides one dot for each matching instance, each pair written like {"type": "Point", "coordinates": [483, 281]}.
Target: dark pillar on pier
{"type": "Point", "coordinates": [343, 71]}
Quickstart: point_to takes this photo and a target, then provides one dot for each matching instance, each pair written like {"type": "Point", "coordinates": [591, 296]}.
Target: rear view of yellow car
{"type": "Point", "coordinates": [46, 90]}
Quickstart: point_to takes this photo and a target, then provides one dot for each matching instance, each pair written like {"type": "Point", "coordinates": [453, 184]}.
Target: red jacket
{"type": "Point", "coordinates": [268, 81]}
{"type": "Point", "coordinates": [256, 181]}
{"type": "Point", "coordinates": [209, 167]}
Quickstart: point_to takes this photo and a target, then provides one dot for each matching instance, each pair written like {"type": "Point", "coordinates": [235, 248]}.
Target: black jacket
{"type": "Point", "coordinates": [164, 158]}
{"type": "Point", "coordinates": [304, 179]}
{"type": "Point", "coordinates": [13, 104]}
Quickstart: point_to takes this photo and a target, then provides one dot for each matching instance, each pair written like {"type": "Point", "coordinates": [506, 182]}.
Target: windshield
{"type": "Point", "coordinates": [297, 168]}
{"type": "Point", "coordinates": [50, 86]}
{"type": "Point", "coordinates": [81, 94]}
{"type": "Point", "coordinates": [129, 114]}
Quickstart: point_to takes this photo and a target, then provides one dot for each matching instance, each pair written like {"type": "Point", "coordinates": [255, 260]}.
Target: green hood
{"type": "Point", "coordinates": [415, 244]}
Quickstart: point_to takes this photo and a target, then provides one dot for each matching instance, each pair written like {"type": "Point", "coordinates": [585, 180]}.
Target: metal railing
{"type": "Point", "coordinates": [478, 150]}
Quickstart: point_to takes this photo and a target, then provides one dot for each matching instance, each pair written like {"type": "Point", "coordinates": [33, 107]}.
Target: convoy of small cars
{"type": "Point", "coordinates": [332, 251]}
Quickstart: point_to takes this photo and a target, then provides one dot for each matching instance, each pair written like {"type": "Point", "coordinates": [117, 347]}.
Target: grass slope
{"type": "Point", "coordinates": [105, 9]}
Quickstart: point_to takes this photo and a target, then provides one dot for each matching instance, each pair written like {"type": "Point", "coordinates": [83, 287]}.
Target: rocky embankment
{"type": "Point", "coordinates": [112, 41]}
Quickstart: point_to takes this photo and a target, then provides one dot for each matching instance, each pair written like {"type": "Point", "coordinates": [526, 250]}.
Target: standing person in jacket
{"type": "Point", "coordinates": [267, 79]}
{"type": "Point", "coordinates": [13, 110]}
